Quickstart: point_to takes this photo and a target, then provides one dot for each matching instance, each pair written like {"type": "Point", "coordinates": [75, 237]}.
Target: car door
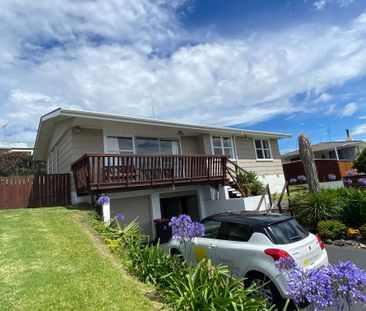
{"type": "Point", "coordinates": [205, 247]}
{"type": "Point", "coordinates": [233, 249]}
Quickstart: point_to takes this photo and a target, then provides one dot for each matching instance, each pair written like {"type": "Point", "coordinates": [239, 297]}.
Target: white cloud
{"type": "Point", "coordinates": [362, 117]}
{"type": "Point", "coordinates": [359, 130]}
{"type": "Point", "coordinates": [323, 98]}
{"type": "Point", "coordinates": [123, 57]}
{"type": "Point", "coordinates": [320, 4]}
{"type": "Point", "coordinates": [349, 110]}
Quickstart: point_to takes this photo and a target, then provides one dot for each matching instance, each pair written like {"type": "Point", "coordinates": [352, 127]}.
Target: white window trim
{"type": "Point", "coordinates": [222, 146]}
{"type": "Point", "coordinates": [108, 133]}
{"type": "Point", "coordinates": [270, 150]}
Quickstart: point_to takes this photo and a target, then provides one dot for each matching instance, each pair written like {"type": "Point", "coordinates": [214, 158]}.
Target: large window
{"type": "Point", "coordinates": [119, 144]}
{"type": "Point", "coordinates": [222, 146]}
{"type": "Point", "coordinates": [263, 149]}
{"type": "Point", "coordinates": [148, 145]}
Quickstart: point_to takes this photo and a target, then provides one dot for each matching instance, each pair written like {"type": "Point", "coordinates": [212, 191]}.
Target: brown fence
{"type": "Point", "coordinates": [37, 191]}
{"type": "Point", "coordinates": [324, 168]}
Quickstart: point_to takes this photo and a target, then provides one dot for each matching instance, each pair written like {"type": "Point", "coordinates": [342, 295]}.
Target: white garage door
{"type": "Point", "coordinates": [131, 208]}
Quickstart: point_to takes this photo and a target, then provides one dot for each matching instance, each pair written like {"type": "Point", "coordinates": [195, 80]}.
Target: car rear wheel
{"type": "Point", "coordinates": [265, 288]}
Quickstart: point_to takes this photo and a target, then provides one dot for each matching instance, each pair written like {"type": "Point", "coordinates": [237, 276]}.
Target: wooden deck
{"type": "Point", "coordinates": [95, 172]}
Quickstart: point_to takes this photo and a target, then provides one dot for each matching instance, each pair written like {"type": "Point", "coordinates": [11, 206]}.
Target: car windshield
{"type": "Point", "coordinates": [287, 232]}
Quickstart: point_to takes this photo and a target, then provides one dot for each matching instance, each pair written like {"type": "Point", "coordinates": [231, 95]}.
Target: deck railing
{"type": "Point", "coordinates": [100, 171]}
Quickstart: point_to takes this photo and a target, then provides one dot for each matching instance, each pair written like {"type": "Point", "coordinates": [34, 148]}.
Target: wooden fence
{"type": "Point", "coordinates": [323, 166]}
{"type": "Point", "coordinates": [37, 191]}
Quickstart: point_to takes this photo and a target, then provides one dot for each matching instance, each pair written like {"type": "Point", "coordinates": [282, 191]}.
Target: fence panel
{"type": "Point", "coordinates": [37, 191]}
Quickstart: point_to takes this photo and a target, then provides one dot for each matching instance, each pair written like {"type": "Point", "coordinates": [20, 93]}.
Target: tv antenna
{"type": "Point", "coordinates": [4, 129]}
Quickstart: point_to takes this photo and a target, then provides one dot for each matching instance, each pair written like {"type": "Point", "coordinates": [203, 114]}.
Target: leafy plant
{"type": "Point", "coordinates": [249, 182]}
{"type": "Point", "coordinates": [19, 164]}
{"type": "Point", "coordinates": [310, 208]}
{"type": "Point", "coordinates": [151, 265]}
{"type": "Point", "coordinates": [360, 162]}
{"type": "Point", "coordinates": [353, 202]}
{"type": "Point", "coordinates": [207, 287]}
{"type": "Point", "coordinates": [331, 229]}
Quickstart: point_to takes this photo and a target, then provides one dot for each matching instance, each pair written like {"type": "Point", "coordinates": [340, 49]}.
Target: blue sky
{"type": "Point", "coordinates": [288, 66]}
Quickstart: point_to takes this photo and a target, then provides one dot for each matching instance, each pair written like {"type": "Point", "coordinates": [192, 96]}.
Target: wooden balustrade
{"type": "Point", "coordinates": [99, 172]}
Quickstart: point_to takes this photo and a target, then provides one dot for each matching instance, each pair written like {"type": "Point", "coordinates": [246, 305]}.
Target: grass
{"type": "Point", "coordinates": [49, 261]}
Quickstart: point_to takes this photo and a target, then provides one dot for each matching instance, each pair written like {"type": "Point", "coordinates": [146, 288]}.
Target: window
{"type": "Point", "coordinates": [147, 145]}
{"type": "Point", "coordinates": [52, 162]}
{"type": "Point", "coordinates": [119, 144]}
{"type": "Point", "coordinates": [263, 149]}
{"type": "Point", "coordinates": [212, 228]}
{"type": "Point", "coordinates": [222, 146]}
{"type": "Point", "coordinates": [237, 232]}
{"type": "Point", "coordinates": [287, 232]}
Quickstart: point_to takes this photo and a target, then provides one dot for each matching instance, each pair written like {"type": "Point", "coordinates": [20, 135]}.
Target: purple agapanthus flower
{"type": "Point", "coordinates": [349, 283]}
{"type": "Point", "coordinates": [184, 229]}
{"type": "Point", "coordinates": [362, 181]}
{"type": "Point", "coordinates": [103, 199]}
{"type": "Point", "coordinates": [348, 181]}
{"type": "Point", "coordinates": [119, 218]}
{"type": "Point", "coordinates": [350, 173]}
{"type": "Point", "coordinates": [285, 264]}
{"type": "Point", "coordinates": [292, 181]}
{"type": "Point", "coordinates": [301, 178]}
{"type": "Point", "coordinates": [337, 285]}
{"type": "Point", "coordinates": [310, 286]}
{"type": "Point", "coordinates": [332, 176]}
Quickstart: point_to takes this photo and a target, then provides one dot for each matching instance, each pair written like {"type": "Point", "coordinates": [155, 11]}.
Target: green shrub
{"type": "Point", "coordinates": [312, 208]}
{"type": "Point", "coordinates": [360, 162]}
{"type": "Point", "coordinates": [249, 182]}
{"type": "Point", "coordinates": [363, 231]}
{"type": "Point", "coordinates": [151, 265]}
{"type": "Point", "coordinates": [353, 203]}
{"type": "Point", "coordinates": [331, 229]}
{"type": "Point", "coordinates": [204, 287]}
{"type": "Point", "coordinates": [207, 287]}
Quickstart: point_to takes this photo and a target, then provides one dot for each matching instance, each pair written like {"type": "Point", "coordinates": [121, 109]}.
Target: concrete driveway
{"type": "Point", "coordinates": [357, 256]}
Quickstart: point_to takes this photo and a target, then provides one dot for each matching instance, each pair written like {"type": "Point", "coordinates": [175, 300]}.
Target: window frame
{"type": "Point", "coordinates": [120, 151]}
{"type": "Point", "coordinates": [222, 146]}
{"type": "Point", "coordinates": [263, 149]}
{"type": "Point", "coordinates": [227, 224]}
{"type": "Point", "coordinates": [159, 139]}
{"type": "Point", "coordinates": [116, 133]}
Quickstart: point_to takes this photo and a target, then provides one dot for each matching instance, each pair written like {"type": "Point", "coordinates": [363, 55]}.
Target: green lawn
{"type": "Point", "coordinates": [48, 261]}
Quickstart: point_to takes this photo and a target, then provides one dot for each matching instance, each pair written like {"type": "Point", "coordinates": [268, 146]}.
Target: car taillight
{"type": "Point", "coordinates": [276, 253]}
{"type": "Point", "coordinates": [321, 243]}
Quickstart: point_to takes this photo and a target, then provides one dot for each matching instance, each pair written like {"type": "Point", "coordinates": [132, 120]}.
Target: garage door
{"type": "Point", "coordinates": [131, 208]}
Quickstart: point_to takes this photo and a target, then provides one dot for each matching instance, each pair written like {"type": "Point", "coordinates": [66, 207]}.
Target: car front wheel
{"type": "Point", "coordinates": [265, 288]}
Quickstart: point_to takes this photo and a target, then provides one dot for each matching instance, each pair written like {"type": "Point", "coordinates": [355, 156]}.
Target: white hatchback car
{"type": "Point", "coordinates": [250, 243]}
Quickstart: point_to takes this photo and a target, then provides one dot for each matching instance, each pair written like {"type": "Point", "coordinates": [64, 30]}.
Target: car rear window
{"type": "Point", "coordinates": [287, 232]}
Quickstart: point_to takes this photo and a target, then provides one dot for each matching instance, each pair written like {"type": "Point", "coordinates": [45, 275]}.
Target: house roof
{"type": "Point", "coordinates": [328, 146]}
{"type": "Point", "coordinates": [47, 123]}
{"type": "Point", "coordinates": [5, 144]}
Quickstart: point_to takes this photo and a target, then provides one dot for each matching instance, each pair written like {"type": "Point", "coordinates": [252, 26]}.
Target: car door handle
{"type": "Point", "coordinates": [211, 246]}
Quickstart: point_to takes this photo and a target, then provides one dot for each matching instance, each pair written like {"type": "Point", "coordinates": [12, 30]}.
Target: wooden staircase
{"type": "Point", "coordinates": [232, 171]}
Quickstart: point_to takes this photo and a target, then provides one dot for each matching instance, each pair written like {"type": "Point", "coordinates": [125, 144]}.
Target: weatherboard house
{"type": "Point", "coordinates": [154, 169]}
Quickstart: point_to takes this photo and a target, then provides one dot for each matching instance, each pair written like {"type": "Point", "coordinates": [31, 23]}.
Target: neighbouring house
{"type": "Point", "coordinates": [334, 157]}
{"type": "Point", "coordinates": [155, 169]}
{"type": "Point", "coordinates": [12, 146]}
